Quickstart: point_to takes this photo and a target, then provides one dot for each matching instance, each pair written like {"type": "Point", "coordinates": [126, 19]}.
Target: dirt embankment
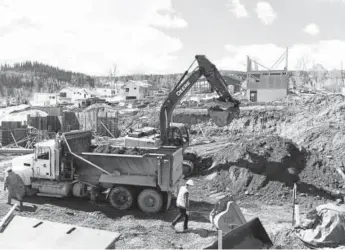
{"type": "Point", "coordinates": [257, 166]}
{"type": "Point", "coordinates": [266, 167]}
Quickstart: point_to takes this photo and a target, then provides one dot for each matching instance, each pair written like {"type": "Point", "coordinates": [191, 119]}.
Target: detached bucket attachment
{"type": "Point", "coordinates": [223, 117]}
{"type": "Point", "coordinates": [251, 235]}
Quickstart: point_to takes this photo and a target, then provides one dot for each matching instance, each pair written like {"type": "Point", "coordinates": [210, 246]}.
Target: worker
{"type": "Point", "coordinates": [182, 203]}
{"type": "Point", "coordinates": [15, 186]}
{"type": "Point", "coordinates": [94, 193]}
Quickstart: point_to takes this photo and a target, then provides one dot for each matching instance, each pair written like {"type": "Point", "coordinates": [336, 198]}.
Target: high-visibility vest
{"type": "Point", "coordinates": [181, 197]}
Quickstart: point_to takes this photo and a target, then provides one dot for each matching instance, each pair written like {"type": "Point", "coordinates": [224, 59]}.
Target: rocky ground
{"type": "Point", "coordinates": [256, 159]}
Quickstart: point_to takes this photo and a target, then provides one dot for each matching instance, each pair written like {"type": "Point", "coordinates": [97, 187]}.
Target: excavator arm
{"type": "Point", "coordinates": [220, 115]}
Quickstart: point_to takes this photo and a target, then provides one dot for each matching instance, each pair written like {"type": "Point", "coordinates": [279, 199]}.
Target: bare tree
{"type": "Point", "coordinates": [302, 65]}
{"type": "Point", "coordinates": [112, 74]}
{"type": "Point", "coordinates": [319, 74]}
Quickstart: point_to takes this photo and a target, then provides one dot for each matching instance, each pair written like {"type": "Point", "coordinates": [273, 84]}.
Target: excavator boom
{"type": "Point", "coordinates": [225, 110]}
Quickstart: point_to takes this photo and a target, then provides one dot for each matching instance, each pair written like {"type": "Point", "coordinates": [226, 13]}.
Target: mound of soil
{"type": "Point", "coordinates": [273, 157]}
{"type": "Point", "coordinates": [286, 239]}
{"type": "Point", "coordinates": [264, 167]}
{"type": "Point", "coordinates": [267, 167]}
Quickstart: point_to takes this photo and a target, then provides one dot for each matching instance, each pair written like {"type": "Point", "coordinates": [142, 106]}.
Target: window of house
{"type": "Point", "coordinates": [113, 92]}
{"type": "Point", "coordinates": [63, 94]}
{"type": "Point", "coordinates": [127, 89]}
{"type": "Point", "coordinates": [135, 88]}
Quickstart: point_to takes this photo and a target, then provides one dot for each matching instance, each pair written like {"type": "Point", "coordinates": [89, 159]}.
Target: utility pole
{"type": "Point", "coordinates": [341, 73]}
{"type": "Point", "coordinates": [287, 59]}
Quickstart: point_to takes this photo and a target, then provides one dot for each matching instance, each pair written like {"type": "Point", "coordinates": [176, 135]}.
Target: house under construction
{"type": "Point", "coordinates": [268, 84]}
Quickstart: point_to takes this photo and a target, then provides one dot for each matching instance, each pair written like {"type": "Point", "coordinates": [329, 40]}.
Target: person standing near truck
{"type": "Point", "coordinates": [182, 203]}
{"type": "Point", "coordinates": [15, 186]}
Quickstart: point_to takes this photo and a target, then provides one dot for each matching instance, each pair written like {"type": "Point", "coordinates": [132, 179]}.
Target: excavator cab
{"type": "Point", "coordinates": [178, 135]}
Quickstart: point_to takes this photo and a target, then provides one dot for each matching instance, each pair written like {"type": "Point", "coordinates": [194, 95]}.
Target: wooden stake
{"type": "Point", "coordinates": [107, 129]}
{"type": "Point", "coordinates": [293, 203]}
{"type": "Point", "coordinates": [5, 220]}
{"type": "Point", "coordinates": [220, 239]}
{"type": "Point", "coordinates": [14, 139]}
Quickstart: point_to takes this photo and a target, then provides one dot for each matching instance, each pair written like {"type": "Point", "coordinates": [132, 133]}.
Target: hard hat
{"type": "Point", "coordinates": [190, 183]}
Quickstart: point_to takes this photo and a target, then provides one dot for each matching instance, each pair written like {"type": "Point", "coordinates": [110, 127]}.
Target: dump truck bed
{"type": "Point", "coordinates": [152, 167]}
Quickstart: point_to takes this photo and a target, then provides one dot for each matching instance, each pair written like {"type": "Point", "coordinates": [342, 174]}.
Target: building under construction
{"type": "Point", "coordinates": [267, 84]}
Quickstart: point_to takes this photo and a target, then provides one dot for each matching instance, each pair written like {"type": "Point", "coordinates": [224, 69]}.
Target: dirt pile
{"type": "Point", "coordinates": [108, 149]}
{"type": "Point", "coordinates": [262, 165]}
{"type": "Point", "coordinates": [286, 239]}
{"type": "Point", "coordinates": [275, 157]}
{"type": "Point", "coordinates": [267, 166]}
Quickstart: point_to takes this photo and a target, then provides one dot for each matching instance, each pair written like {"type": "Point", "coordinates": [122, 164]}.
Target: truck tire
{"type": "Point", "coordinates": [150, 201]}
{"type": "Point", "coordinates": [187, 167]}
{"type": "Point", "coordinates": [121, 198]}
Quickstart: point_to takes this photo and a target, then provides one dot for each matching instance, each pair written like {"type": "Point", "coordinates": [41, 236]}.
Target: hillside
{"type": "Point", "coordinates": [23, 79]}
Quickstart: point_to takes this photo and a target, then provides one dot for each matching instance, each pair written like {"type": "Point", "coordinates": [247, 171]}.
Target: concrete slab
{"type": "Point", "coordinates": [31, 233]}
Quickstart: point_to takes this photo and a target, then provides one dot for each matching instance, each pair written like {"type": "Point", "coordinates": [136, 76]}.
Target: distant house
{"type": "Point", "coordinates": [70, 95]}
{"type": "Point", "coordinates": [267, 86]}
{"type": "Point", "coordinates": [44, 99]}
{"type": "Point", "coordinates": [153, 91]}
{"type": "Point", "coordinates": [136, 89]}
{"type": "Point", "coordinates": [105, 92]}
{"type": "Point", "coordinates": [118, 87]}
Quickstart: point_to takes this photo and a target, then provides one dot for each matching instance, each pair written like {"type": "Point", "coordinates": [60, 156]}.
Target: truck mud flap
{"type": "Point", "coordinates": [168, 202]}
{"type": "Point", "coordinates": [251, 235]}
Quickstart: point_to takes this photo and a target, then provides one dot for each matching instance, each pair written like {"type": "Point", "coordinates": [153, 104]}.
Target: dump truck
{"type": "Point", "coordinates": [67, 166]}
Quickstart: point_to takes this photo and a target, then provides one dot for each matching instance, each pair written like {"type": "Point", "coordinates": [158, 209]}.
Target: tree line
{"type": "Point", "coordinates": [34, 77]}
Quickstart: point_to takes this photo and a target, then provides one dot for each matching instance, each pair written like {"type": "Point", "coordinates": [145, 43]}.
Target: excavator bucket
{"type": "Point", "coordinates": [223, 117]}
{"type": "Point", "coordinates": [251, 235]}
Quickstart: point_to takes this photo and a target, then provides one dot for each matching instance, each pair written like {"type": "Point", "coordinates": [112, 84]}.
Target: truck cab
{"type": "Point", "coordinates": [43, 160]}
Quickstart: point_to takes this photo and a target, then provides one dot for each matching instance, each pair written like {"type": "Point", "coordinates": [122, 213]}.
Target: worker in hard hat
{"type": "Point", "coordinates": [182, 203]}
{"type": "Point", "coordinates": [15, 186]}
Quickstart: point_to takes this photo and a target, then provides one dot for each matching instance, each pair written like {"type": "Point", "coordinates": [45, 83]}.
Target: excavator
{"type": "Point", "coordinates": [223, 110]}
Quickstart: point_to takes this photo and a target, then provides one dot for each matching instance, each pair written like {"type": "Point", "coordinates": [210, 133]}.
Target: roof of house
{"type": "Point", "coordinates": [143, 84]}
{"type": "Point", "coordinates": [82, 90]}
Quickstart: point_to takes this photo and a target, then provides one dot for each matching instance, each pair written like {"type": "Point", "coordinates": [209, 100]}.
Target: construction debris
{"type": "Point", "coordinates": [46, 234]}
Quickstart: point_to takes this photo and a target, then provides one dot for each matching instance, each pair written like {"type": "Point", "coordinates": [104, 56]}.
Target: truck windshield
{"type": "Point", "coordinates": [183, 131]}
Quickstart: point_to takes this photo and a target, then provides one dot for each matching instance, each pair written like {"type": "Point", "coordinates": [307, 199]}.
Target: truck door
{"type": "Point", "coordinates": [42, 165]}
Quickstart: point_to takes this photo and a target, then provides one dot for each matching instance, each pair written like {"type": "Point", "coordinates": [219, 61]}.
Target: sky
{"type": "Point", "coordinates": [163, 36]}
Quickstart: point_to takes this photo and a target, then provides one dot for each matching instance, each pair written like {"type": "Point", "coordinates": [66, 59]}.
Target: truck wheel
{"type": "Point", "coordinates": [150, 201]}
{"type": "Point", "coordinates": [121, 198]}
{"type": "Point", "coordinates": [187, 167]}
